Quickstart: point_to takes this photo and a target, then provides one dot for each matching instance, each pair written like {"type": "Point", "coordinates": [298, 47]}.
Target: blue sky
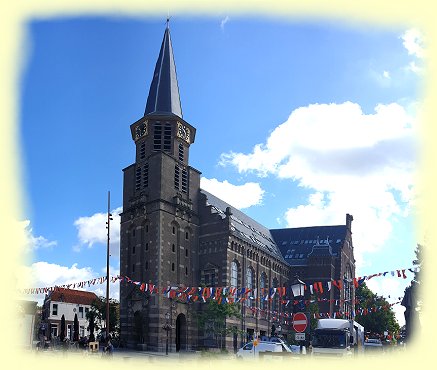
{"type": "Point", "coordinates": [298, 123]}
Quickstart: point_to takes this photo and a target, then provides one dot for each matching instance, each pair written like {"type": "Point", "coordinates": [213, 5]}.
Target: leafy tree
{"type": "Point", "coordinates": [98, 313]}
{"type": "Point", "coordinates": [91, 317]}
{"type": "Point", "coordinates": [62, 334]}
{"type": "Point", "coordinates": [417, 280]}
{"type": "Point", "coordinates": [213, 318]}
{"type": "Point", "coordinates": [379, 316]}
{"type": "Point", "coordinates": [313, 308]}
{"type": "Point", "coordinates": [412, 300]}
{"type": "Point", "coordinates": [418, 262]}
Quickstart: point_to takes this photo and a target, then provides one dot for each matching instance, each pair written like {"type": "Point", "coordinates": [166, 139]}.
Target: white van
{"type": "Point", "coordinates": [249, 351]}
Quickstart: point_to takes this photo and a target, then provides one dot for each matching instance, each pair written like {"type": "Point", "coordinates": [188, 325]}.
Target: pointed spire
{"type": "Point", "coordinates": [164, 91]}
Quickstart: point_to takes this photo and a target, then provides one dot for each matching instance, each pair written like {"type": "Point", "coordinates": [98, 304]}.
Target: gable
{"type": "Point", "coordinates": [297, 244]}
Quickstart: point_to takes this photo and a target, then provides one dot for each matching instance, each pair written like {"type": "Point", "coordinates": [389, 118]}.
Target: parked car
{"type": "Point", "coordinates": [249, 351]}
{"type": "Point", "coordinates": [373, 345]}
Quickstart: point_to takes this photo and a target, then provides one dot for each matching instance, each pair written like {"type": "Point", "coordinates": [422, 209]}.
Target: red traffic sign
{"type": "Point", "coordinates": [300, 322]}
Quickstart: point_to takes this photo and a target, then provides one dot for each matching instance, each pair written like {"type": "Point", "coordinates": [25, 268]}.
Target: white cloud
{"type": "Point", "coordinates": [413, 67]}
{"type": "Point", "coordinates": [353, 162]}
{"type": "Point", "coordinates": [223, 22]}
{"type": "Point", "coordinates": [413, 42]}
{"type": "Point", "coordinates": [92, 230]}
{"type": "Point", "coordinates": [31, 242]}
{"type": "Point", "coordinates": [44, 274]}
{"type": "Point", "coordinates": [392, 289]}
{"type": "Point", "coordinates": [239, 196]}
{"type": "Point", "coordinates": [386, 74]}
{"type": "Point", "coordinates": [114, 288]}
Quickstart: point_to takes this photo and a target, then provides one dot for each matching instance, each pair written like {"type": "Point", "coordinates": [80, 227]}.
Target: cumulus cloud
{"type": "Point", "coordinates": [392, 289]}
{"type": "Point", "coordinates": [353, 162]}
{"type": "Point", "coordinates": [239, 196]}
{"type": "Point", "coordinates": [92, 230]}
{"type": "Point", "coordinates": [43, 274]}
{"type": "Point", "coordinates": [32, 242]}
{"type": "Point", "coordinates": [413, 42]}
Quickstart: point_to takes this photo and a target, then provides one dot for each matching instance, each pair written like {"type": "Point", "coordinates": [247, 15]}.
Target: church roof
{"type": "Point", "coordinates": [244, 227]}
{"type": "Point", "coordinates": [297, 244]}
{"type": "Point", "coordinates": [164, 91]}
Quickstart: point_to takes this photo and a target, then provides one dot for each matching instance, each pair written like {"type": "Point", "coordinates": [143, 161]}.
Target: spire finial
{"type": "Point", "coordinates": [168, 20]}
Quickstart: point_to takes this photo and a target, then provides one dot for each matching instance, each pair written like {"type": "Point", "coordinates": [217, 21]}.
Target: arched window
{"type": "Point", "coordinates": [347, 283]}
{"type": "Point", "coordinates": [275, 301]}
{"type": "Point", "coordinates": [249, 285]}
{"type": "Point", "coordinates": [263, 291]}
{"type": "Point", "coordinates": [234, 274]}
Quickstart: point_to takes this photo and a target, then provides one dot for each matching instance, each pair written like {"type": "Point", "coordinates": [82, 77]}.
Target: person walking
{"type": "Point", "coordinates": [42, 336]}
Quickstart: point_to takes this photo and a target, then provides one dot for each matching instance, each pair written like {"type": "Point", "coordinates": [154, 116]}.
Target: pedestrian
{"type": "Point", "coordinates": [109, 347]}
{"type": "Point", "coordinates": [42, 337]}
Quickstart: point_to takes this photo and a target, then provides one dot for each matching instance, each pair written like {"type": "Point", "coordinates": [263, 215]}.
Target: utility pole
{"type": "Point", "coordinates": [107, 269]}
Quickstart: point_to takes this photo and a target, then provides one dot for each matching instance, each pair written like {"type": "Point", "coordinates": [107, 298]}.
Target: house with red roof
{"type": "Point", "coordinates": [67, 302]}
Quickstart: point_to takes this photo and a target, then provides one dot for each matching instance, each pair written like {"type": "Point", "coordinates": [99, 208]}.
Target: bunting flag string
{"type": "Point", "coordinates": [224, 295]}
{"type": "Point", "coordinates": [228, 294]}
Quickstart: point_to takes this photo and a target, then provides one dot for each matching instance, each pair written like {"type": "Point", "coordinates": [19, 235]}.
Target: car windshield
{"type": "Point", "coordinates": [375, 341]}
{"type": "Point", "coordinates": [248, 346]}
{"type": "Point", "coordinates": [329, 339]}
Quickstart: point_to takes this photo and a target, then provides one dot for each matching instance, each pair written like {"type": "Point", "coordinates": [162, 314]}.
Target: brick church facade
{"type": "Point", "coordinates": [173, 233]}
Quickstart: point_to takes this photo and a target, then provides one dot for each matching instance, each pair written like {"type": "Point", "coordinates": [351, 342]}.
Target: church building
{"type": "Point", "coordinates": [173, 233]}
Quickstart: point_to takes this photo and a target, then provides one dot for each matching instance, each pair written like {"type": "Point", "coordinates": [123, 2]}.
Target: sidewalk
{"type": "Point", "coordinates": [126, 354]}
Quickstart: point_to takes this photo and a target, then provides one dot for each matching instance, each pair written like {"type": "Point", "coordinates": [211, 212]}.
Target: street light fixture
{"type": "Point", "coordinates": [167, 327]}
{"type": "Point", "coordinates": [298, 287]}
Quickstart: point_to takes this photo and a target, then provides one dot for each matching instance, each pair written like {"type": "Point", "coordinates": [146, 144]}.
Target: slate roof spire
{"type": "Point", "coordinates": [164, 91]}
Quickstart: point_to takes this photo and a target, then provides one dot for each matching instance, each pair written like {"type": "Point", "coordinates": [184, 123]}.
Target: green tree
{"type": "Point", "coordinates": [417, 280]}
{"type": "Point", "coordinates": [412, 300]}
{"type": "Point", "coordinates": [213, 317]}
{"type": "Point", "coordinates": [98, 313]}
{"type": "Point", "coordinates": [91, 316]}
{"type": "Point", "coordinates": [313, 309]}
{"type": "Point", "coordinates": [379, 316]}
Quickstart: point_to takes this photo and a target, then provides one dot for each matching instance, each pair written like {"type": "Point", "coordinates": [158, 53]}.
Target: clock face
{"type": "Point", "coordinates": [141, 130]}
{"type": "Point", "coordinates": [183, 132]}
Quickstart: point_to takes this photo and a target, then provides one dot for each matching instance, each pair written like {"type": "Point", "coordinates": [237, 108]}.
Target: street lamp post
{"type": "Point", "coordinates": [107, 270]}
{"type": "Point", "coordinates": [298, 289]}
{"type": "Point", "coordinates": [167, 328]}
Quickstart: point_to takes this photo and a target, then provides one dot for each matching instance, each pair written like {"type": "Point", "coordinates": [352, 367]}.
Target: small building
{"type": "Point", "coordinates": [27, 311]}
{"type": "Point", "coordinates": [67, 302]}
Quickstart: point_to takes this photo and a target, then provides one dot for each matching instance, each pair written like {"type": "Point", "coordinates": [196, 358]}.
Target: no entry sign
{"type": "Point", "coordinates": [300, 322]}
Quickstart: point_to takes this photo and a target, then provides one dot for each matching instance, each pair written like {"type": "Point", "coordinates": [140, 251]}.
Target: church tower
{"type": "Point", "coordinates": [159, 223]}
